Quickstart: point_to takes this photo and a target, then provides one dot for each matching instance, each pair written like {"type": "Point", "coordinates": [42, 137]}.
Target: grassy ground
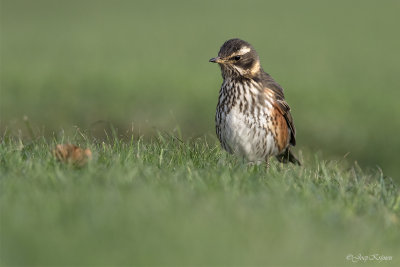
{"type": "Point", "coordinates": [143, 67]}
{"type": "Point", "coordinates": [167, 202]}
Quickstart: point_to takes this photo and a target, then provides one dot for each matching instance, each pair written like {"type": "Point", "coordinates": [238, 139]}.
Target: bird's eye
{"type": "Point", "coordinates": [236, 58]}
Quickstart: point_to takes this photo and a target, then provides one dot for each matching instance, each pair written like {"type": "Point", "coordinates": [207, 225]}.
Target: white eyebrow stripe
{"type": "Point", "coordinates": [244, 50]}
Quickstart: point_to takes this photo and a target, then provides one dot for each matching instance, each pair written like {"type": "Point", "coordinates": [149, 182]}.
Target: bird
{"type": "Point", "coordinates": [252, 118]}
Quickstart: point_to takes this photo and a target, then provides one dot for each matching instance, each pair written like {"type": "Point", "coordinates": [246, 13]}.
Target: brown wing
{"type": "Point", "coordinates": [272, 88]}
{"type": "Point", "coordinates": [284, 109]}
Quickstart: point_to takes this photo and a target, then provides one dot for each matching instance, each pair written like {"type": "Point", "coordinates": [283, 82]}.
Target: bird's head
{"type": "Point", "coordinates": [237, 58]}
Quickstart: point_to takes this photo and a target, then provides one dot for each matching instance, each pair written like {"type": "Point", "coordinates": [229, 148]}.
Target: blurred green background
{"type": "Point", "coordinates": [145, 65]}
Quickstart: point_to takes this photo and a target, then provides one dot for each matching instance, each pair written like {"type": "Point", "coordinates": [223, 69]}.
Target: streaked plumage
{"type": "Point", "coordinates": [252, 119]}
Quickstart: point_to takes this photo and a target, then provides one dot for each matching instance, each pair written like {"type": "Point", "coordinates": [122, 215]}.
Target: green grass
{"type": "Point", "coordinates": [168, 202]}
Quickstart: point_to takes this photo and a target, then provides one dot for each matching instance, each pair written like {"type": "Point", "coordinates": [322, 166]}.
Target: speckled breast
{"type": "Point", "coordinates": [244, 122]}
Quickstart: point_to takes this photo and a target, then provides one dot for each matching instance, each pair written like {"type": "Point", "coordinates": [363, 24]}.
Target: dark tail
{"type": "Point", "coordinates": [288, 156]}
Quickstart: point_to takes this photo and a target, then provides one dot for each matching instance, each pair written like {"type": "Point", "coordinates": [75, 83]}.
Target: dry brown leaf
{"type": "Point", "coordinates": [72, 154]}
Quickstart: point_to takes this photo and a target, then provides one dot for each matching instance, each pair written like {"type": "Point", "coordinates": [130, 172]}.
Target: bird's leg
{"type": "Point", "coordinates": [267, 162]}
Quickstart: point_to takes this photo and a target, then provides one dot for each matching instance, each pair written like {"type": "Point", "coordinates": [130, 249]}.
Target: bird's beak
{"type": "Point", "coordinates": [216, 60]}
